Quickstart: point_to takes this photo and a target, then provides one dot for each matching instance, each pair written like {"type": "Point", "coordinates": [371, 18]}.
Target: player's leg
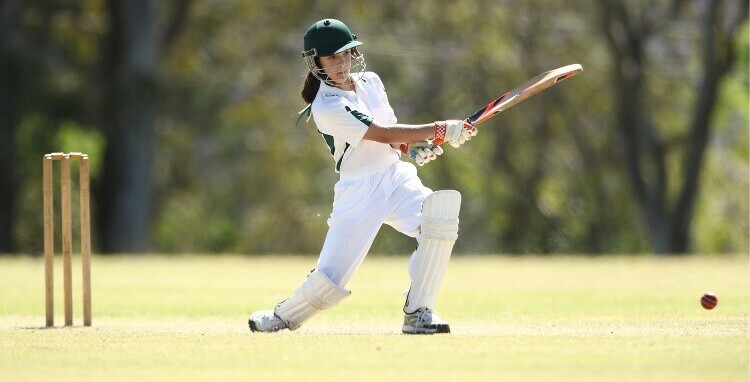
{"type": "Point", "coordinates": [350, 236]}
{"type": "Point", "coordinates": [407, 218]}
{"type": "Point", "coordinates": [316, 293]}
{"type": "Point", "coordinates": [344, 250]}
{"type": "Point", "coordinates": [428, 264]}
{"type": "Point", "coordinates": [353, 225]}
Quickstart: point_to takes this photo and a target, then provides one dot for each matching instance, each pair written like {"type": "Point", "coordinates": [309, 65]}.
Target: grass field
{"type": "Point", "coordinates": [532, 319]}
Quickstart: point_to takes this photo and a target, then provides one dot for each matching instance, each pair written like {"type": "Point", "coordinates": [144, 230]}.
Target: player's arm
{"type": "Point", "coordinates": [454, 132]}
{"type": "Point", "coordinates": [399, 133]}
{"type": "Point", "coordinates": [423, 141]}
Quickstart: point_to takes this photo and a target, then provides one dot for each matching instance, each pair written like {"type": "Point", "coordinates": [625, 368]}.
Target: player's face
{"type": "Point", "coordinates": [337, 67]}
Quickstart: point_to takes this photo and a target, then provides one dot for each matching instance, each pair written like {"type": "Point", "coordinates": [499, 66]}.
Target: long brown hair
{"type": "Point", "coordinates": [310, 88]}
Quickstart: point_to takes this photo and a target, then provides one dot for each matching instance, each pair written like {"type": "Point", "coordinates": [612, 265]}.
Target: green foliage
{"type": "Point", "coordinates": [722, 223]}
{"type": "Point", "coordinates": [232, 174]}
{"type": "Point", "coordinates": [73, 138]}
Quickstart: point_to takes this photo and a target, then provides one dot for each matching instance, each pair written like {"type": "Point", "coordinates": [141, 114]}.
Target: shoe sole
{"type": "Point", "coordinates": [406, 329]}
{"type": "Point", "coordinates": [439, 329]}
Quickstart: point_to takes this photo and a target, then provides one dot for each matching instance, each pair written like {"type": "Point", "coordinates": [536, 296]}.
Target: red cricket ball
{"type": "Point", "coordinates": [709, 301]}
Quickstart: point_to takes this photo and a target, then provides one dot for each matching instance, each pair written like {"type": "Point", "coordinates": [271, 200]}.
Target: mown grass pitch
{"type": "Point", "coordinates": [538, 318]}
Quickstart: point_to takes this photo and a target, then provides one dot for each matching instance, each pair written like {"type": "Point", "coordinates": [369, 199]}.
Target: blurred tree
{"type": "Point", "coordinates": [140, 35]}
{"type": "Point", "coordinates": [629, 28]}
{"type": "Point", "coordinates": [10, 91]}
{"type": "Point", "coordinates": [196, 104]}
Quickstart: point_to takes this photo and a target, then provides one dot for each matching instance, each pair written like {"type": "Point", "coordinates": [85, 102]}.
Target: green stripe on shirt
{"type": "Point", "coordinates": [362, 117]}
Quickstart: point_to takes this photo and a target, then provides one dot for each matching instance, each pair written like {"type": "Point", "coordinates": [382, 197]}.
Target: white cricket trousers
{"type": "Point", "coordinates": [361, 205]}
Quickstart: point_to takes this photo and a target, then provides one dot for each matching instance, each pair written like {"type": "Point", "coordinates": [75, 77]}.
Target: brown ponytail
{"type": "Point", "coordinates": [310, 88]}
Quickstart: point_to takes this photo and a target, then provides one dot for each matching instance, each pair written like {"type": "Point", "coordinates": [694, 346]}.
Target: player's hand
{"type": "Point", "coordinates": [422, 152]}
{"type": "Point", "coordinates": [455, 132]}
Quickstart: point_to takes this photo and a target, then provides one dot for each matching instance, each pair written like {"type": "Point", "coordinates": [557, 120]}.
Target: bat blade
{"type": "Point", "coordinates": [523, 92]}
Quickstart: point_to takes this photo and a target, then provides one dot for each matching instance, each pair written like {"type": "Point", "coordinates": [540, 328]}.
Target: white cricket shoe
{"type": "Point", "coordinates": [424, 321]}
{"type": "Point", "coordinates": [265, 321]}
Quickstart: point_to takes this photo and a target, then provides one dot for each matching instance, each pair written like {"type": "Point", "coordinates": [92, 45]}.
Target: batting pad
{"type": "Point", "coordinates": [315, 294]}
{"type": "Point", "coordinates": [439, 231]}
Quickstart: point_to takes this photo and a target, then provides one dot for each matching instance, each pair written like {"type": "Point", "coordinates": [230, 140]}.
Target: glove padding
{"type": "Point", "coordinates": [422, 152]}
{"type": "Point", "coordinates": [455, 132]}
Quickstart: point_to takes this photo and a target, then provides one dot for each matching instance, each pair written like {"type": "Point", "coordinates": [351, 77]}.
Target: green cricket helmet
{"type": "Point", "coordinates": [326, 38]}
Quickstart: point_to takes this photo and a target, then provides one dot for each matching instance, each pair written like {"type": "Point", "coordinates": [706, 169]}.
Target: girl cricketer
{"type": "Point", "coordinates": [352, 113]}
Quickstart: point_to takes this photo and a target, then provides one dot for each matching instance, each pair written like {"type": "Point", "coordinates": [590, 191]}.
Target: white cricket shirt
{"type": "Point", "coordinates": [343, 117]}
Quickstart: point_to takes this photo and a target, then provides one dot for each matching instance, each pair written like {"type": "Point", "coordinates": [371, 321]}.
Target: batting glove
{"type": "Point", "coordinates": [455, 132]}
{"type": "Point", "coordinates": [422, 152]}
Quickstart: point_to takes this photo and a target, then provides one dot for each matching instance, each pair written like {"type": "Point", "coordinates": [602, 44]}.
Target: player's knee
{"type": "Point", "coordinates": [440, 215]}
{"type": "Point", "coordinates": [442, 202]}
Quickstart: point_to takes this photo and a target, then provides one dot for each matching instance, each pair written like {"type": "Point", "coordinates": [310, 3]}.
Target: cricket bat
{"type": "Point", "coordinates": [523, 92]}
{"type": "Point", "coordinates": [513, 97]}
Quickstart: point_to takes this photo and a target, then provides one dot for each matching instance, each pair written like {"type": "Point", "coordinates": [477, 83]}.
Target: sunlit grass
{"type": "Point", "coordinates": [537, 318]}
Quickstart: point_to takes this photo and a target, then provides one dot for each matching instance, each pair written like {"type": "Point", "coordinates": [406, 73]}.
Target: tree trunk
{"type": "Point", "coordinates": [718, 58]}
{"type": "Point", "coordinates": [131, 66]}
{"type": "Point", "coordinates": [9, 91]}
{"type": "Point", "coordinates": [668, 222]}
